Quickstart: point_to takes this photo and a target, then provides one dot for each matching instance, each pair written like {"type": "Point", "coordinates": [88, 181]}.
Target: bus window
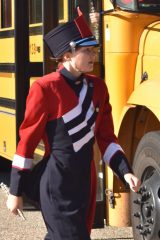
{"type": "Point", "coordinates": [139, 5]}
{"type": "Point", "coordinates": [149, 5]}
{"type": "Point", "coordinates": [35, 9]}
{"type": "Point", "coordinates": [6, 14]}
{"type": "Point", "coordinates": [127, 4]}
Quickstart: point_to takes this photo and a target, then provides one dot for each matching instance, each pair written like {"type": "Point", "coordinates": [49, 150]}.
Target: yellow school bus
{"type": "Point", "coordinates": [131, 57]}
{"type": "Point", "coordinates": [129, 62]}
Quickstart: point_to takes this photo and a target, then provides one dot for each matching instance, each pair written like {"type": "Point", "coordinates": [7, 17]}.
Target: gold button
{"type": "Point", "coordinates": [97, 109]}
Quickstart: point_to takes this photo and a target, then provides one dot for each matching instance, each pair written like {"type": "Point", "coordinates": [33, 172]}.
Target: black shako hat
{"type": "Point", "coordinates": [70, 35]}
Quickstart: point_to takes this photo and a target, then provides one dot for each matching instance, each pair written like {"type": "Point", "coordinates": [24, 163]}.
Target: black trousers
{"type": "Point", "coordinates": [64, 197]}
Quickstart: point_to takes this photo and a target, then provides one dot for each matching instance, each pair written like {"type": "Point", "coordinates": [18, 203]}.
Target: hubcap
{"type": "Point", "coordinates": [146, 206]}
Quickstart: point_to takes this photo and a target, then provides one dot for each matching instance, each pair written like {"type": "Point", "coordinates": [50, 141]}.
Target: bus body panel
{"type": "Point", "coordinates": [8, 133]}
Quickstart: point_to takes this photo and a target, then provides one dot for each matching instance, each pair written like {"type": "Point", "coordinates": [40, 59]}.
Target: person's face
{"type": "Point", "coordinates": [83, 59]}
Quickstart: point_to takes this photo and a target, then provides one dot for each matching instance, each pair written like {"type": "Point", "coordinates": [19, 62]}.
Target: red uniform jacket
{"type": "Point", "coordinates": [50, 98]}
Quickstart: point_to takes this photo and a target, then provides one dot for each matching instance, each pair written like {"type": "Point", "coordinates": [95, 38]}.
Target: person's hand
{"type": "Point", "coordinates": [94, 17]}
{"type": "Point", "coordinates": [133, 181]}
{"type": "Point", "coordinates": [14, 203]}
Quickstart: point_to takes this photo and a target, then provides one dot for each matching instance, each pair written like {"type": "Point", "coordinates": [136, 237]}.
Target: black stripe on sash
{"type": "Point", "coordinates": [80, 134]}
{"type": "Point", "coordinates": [85, 106]}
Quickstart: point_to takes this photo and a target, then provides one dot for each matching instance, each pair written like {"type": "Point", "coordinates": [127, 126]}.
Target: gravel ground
{"type": "Point", "coordinates": [33, 228]}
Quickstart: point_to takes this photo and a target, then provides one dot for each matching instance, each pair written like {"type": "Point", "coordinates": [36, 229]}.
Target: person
{"type": "Point", "coordinates": [68, 109]}
{"type": "Point", "coordinates": [94, 16]}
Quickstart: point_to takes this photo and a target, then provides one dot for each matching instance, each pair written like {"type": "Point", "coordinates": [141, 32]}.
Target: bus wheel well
{"type": "Point", "coordinates": [135, 124]}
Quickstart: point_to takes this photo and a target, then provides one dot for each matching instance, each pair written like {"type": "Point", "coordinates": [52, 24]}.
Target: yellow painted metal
{"type": "Point", "coordinates": [7, 85]}
{"type": "Point", "coordinates": [147, 94]}
{"type": "Point", "coordinates": [32, 79]}
{"type": "Point", "coordinates": [63, 7]}
{"type": "Point", "coordinates": [123, 60]}
{"type": "Point", "coordinates": [120, 217]}
{"type": "Point", "coordinates": [7, 50]}
{"type": "Point", "coordinates": [124, 112]}
{"type": "Point", "coordinates": [151, 65]}
{"type": "Point", "coordinates": [7, 81]}
{"type": "Point", "coordinates": [7, 111]}
{"type": "Point", "coordinates": [36, 48]}
{"type": "Point", "coordinates": [36, 45]}
{"type": "Point", "coordinates": [12, 6]}
{"type": "Point", "coordinates": [149, 53]}
{"type": "Point", "coordinates": [107, 5]}
{"type": "Point", "coordinates": [7, 133]}
{"type": "Point", "coordinates": [151, 47]}
{"type": "Point", "coordinates": [35, 25]}
{"type": "Point", "coordinates": [0, 17]}
{"type": "Point", "coordinates": [7, 54]}
{"type": "Point", "coordinates": [119, 81]}
{"type": "Point", "coordinates": [120, 56]}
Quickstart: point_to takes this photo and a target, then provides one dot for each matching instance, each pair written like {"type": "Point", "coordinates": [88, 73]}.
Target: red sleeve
{"type": "Point", "coordinates": [105, 129]}
{"type": "Point", "coordinates": [33, 126]}
{"type": "Point", "coordinates": [32, 131]}
{"type": "Point", "coordinates": [111, 151]}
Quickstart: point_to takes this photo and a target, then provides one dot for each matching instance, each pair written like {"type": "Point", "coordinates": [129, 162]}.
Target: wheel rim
{"type": "Point", "coordinates": [145, 203]}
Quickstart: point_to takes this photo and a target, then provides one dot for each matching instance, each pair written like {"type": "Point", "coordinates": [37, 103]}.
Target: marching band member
{"type": "Point", "coordinates": [69, 109]}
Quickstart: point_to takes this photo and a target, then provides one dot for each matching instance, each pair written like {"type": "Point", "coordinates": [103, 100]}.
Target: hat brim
{"type": "Point", "coordinates": [88, 44]}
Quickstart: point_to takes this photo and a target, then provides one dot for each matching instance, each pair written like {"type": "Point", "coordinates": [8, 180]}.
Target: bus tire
{"type": "Point", "coordinates": [145, 205]}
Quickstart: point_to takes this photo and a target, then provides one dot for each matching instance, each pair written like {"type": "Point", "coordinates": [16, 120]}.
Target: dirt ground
{"type": "Point", "coordinates": [33, 228]}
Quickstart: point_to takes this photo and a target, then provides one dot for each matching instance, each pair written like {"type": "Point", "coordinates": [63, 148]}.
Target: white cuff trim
{"type": "Point", "coordinates": [110, 151]}
{"type": "Point", "coordinates": [22, 162]}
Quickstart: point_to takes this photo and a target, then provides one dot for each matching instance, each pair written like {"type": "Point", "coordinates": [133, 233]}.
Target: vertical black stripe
{"type": "Point", "coordinates": [85, 106]}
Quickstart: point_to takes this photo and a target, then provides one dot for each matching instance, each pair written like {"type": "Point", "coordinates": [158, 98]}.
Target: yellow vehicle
{"type": "Point", "coordinates": [129, 62]}
{"type": "Point", "coordinates": [131, 31]}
